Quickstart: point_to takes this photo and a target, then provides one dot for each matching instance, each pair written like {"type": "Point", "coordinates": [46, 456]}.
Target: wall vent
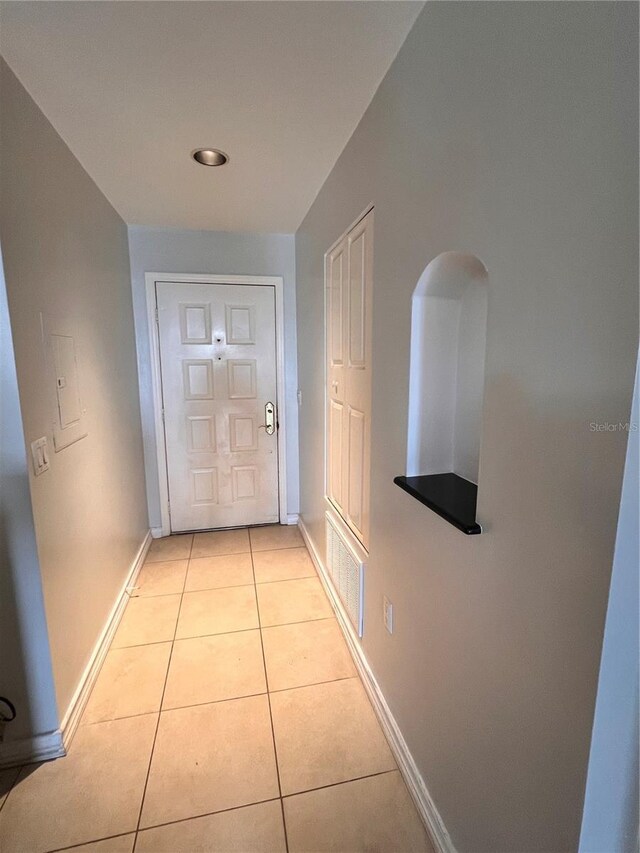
{"type": "Point", "coordinates": [346, 570]}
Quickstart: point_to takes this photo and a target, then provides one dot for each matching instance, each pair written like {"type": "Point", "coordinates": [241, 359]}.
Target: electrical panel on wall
{"type": "Point", "coordinates": [61, 357]}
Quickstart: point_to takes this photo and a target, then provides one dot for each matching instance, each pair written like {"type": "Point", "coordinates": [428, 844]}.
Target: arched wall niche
{"type": "Point", "coordinates": [446, 387]}
{"type": "Point", "coordinates": [446, 384]}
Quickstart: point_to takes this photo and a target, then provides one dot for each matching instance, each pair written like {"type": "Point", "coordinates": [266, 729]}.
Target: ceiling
{"type": "Point", "coordinates": [134, 87]}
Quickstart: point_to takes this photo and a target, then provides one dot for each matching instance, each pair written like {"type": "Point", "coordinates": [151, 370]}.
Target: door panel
{"type": "Point", "coordinates": [243, 432]}
{"type": "Point", "coordinates": [198, 379]}
{"type": "Point", "coordinates": [336, 275]}
{"type": "Point", "coordinates": [357, 299]}
{"type": "Point", "coordinates": [335, 457]}
{"type": "Point", "coordinates": [357, 428]}
{"type": "Point", "coordinates": [244, 482]}
{"type": "Point", "coordinates": [204, 483]}
{"type": "Point", "coordinates": [201, 433]}
{"type": "Point", "coordinates": [242, 379]}
{"type": "Point", "coordinates": [335, 306]}
{"type": "Point", "coordinates": [218, 368]}
{"type": "Point", "coordinates": [240, 324]}
{"type": "Point", "coordinates": [195, 324]}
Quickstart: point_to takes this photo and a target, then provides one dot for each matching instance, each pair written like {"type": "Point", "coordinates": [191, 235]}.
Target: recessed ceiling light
{"type": "Point", "coordinates": [209, 157]}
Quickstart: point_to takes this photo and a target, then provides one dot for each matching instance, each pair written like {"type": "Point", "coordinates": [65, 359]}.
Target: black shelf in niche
{"type": "Point", "coordinates": [450, 496]}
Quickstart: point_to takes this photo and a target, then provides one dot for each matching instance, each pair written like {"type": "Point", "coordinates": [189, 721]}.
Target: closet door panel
{"type": "Point", "coordinates": [335, 306]}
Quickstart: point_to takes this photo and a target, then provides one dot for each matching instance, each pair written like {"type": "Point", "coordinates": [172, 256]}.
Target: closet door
{"type": "Point", "coordinates": [349, 283]}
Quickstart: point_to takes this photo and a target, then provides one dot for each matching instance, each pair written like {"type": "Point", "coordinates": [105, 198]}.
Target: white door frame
{"type": "Point", "coordinates": [277, 282]}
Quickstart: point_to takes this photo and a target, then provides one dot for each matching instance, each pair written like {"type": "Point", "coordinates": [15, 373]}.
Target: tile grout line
{"type": "Point", "coordinates": [167, 823]}
{"type": "Point", "coordinates": [222, 633]}
{"type": "Point", "coordinates": [92, 841]}
{"type": "Point", "coordinates": [226, 586]}
{"type": "Point", "coordinates": [226, 699]}
{"type": "Point", "coordinates": [230, 809]}
{"type": "Point", "coordinates": [218, 554]}
{"type": "Point", "coordinates": [266, 678]}
{"type": "Point", "coordinates": [300, 622]}
{"type": "Point", "coordinates": [337, 784]}
{"type": "Point", "coordinates": [191, 591]}
{"type": "Point", "coordinates": [164, 688]}
{"type": "Point", "coordinates": [186, 707]}
{"type": "Point", "coordinates": [287, 580]}
{"type": "Point", "coordinates": [170, 560]}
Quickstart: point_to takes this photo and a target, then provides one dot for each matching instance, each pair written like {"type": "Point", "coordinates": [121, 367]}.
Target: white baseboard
{"type": "Point", "coordinates": [158, 532]}
{"type": "Point", "coordinates": [293, 518]}
{"type": "Point", "coordinates": [72, 716]}
{"type": "Point", "coordinates": [31, 749]}
{"type": "Point", "coordinates": [407, 766]}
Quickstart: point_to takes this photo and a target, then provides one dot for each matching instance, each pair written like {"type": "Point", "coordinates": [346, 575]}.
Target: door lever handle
{"type": "Point", "coordinates": [269, 424]}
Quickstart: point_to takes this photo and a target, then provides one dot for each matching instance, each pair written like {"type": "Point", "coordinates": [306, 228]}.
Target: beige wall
{"type": "Point", "coordinates": [65, 254]}
{"type": "Point", "coordinates": [508, 130]}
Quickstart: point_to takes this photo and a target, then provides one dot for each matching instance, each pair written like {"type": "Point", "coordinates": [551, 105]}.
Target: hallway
{"type": "Point", "coordinates": [228, 715]}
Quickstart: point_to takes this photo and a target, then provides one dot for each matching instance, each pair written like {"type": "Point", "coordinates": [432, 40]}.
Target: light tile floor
{"type": "Point", "coordinates": [228, 716]}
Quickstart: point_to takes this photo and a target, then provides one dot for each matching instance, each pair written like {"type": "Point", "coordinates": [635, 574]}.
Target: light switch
{"type": "Point", "coordinates": [40, 456]}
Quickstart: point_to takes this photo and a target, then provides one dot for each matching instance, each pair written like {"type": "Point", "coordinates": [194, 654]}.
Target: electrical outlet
{"type": "Point", "coordinates": [387, 607]}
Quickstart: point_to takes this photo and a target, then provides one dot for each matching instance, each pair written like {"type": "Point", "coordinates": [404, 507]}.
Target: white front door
{"type": "Point", "coordinates": [218, 367]}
